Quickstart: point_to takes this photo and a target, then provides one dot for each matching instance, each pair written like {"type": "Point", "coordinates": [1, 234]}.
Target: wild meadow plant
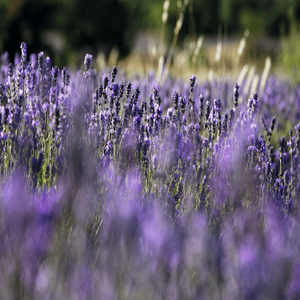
{"type": "Point", "coordinates": [113, 189]}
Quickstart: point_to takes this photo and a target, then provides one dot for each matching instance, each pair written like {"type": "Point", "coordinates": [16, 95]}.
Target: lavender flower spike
{"type": "Point", "coordinates": [114, 74]}
{"type": "Point", "coordinates": [23, 53]}
{"type": "Point", "coordinates": [236, 94]}
{"type": "Point", "coordinates": [192, 82]}
{"type": "Point", "coordinates": [87, 64]}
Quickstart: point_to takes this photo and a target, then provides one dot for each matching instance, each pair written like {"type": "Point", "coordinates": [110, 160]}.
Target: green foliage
{"type": "Point", "coordinates": [251, 21]}
{"type": "Point", "coordinates": [290, 49]}
{"type": "Point", "coordinates": [225, 10]}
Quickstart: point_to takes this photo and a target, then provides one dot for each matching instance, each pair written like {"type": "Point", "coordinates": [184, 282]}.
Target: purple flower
{"type": "Point", "coordinates": [192, 82]}
{"type": "Point", "coordinates": [41, 62]}
{"type": "Point", "coordinates": [105, 81]}
{"type": "Point", "coordinates": [54, 74]}
{"type": "Point", "coordinates": [23, 54]}
{"type": "Point", "coordinates": [205, 142]}
{"type": "Point", "coordinates": [115, 89]}
{"type": "Point", "coordinates": [113, 73]}
{"type": "Point", "coordinates": [236, 94]}
{"type": "Point", "coordinates": [87, 64]}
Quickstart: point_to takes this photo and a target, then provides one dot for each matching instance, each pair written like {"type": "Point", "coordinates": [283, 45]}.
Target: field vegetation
{"type": "Point", "coordinates": [117, 184]}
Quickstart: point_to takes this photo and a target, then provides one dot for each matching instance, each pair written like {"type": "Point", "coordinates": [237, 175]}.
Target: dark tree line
{"type": "Point", "coordinates": [81, 25]}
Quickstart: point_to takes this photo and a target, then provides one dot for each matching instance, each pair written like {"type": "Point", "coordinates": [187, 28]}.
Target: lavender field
{"type": "Point", "coordinates": [130, 189]}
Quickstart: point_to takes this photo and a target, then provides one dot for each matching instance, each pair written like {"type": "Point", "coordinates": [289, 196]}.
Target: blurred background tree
{"type": "Point", "coordinates": [65, 29]}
